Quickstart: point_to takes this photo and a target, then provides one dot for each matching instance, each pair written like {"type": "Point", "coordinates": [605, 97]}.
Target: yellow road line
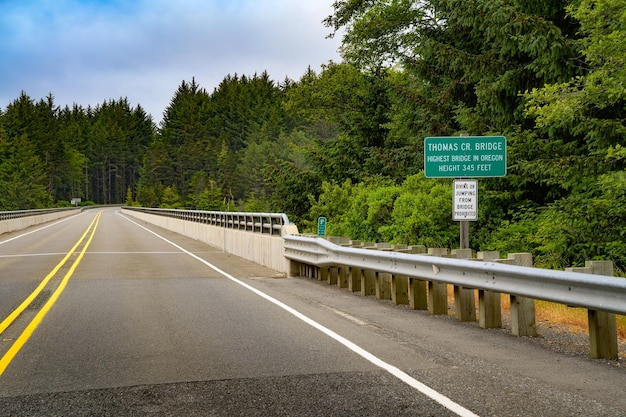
{"type": "Point", "coordinates": [19, 310]}
{"type": "Point", "coordinates": [30, 329]}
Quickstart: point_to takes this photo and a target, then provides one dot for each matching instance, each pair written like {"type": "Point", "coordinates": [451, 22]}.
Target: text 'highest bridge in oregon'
{"type": "Point", "coordinates": [465, 157]}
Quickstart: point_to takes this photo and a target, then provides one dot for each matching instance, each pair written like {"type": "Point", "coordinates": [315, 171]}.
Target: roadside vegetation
{"type": "Point", "coordinates": [574, 318]}
{"type": "Point", "coordinates": [347, 142]}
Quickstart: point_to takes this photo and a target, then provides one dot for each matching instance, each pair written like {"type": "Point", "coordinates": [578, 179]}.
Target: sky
{"type": "Point", "coordinates": [90, 51]}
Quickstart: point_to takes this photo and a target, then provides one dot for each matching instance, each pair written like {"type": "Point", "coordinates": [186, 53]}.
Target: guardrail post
{"type": "Point", "coordinates": [368, 278]}
{"type": "Point", "coordinates": [416, 288]}
{"type": "Point", "coordinates": [368, 282]}
{"type": "Point", "coordinates": [324, 274]}
{"type": "Point", "coordinates": [522, 308]}
{"type": "Point", "coordinates": [399, 289]}
{"type": "Point", "coordinates": [383, 285]}
{"type": "Point", "coordinates": [295, 268]}
{"type": "Point", "coordinates": [602, 325]}
{"type": "Point", "coordinates": [333, 275]}
{"type": "Point", "coordinates": [464, 303]}
{"type": "Point", "coordinates": [399, 283]}
{"type": "Point", "coordinates": [418, 295]}
{"type": "Point", "coordinates": [437, 291]}
{"type": "Point", "coordinates": [314, 272]}
{"type": "Point", "coordinates": [342, 277]}
{"type": "Point", "coordinates": [489, 302]}
{"type": "Point", "coordinates": [354, 274]}
{"type": "Point", "coordinates": [354, 279]}
{"type": "Point", "coordinates": [383, 279]}
{"type": "Point", "coordinates": [338, 274]}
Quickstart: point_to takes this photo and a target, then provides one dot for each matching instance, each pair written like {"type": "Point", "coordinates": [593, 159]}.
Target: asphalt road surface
{"type": "Point", "coordinates": [104, 315]}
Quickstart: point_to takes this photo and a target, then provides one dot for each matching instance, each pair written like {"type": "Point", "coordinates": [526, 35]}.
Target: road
{"type": "Point", "coordinates": [137, 320]}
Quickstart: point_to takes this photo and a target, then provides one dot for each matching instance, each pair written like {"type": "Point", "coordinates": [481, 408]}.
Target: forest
{"type": "Point", "coordinates": [346, 142]}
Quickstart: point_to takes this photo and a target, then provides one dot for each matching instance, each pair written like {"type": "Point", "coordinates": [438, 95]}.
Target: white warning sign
{"type": "Point", "coordinates": [465, 201]}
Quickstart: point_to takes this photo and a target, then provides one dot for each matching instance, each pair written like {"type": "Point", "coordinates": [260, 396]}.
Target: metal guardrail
{"type": "Point", "coordinates": [271, 223]}
{"type": "Point", "coordinates": [595, 292]}
{"type": "Point", "coordinates": [10, 215]}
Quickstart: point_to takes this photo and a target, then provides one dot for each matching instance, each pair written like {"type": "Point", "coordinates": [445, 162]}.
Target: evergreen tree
{"type": "Point", "coordinates": [22, 175]}
{"type": "Point", "coordinates": [345, 111]}
{"type": "Point", "coordinates": [116, 141]}
{"type": "Point", "coordinates": [155, 173]}
{"type": "Point", "coordinates": [74, 127]}
{"type": "Point", "coordinates": [185, 130]}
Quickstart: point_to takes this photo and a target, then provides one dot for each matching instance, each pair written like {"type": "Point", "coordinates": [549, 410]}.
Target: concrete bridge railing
{"type": "Point", "coordinates": [11, 221]}
{"type": "Point", "coordinates": [257, 237]}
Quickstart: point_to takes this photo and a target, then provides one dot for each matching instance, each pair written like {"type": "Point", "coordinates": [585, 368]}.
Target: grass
{"type": "Point", "coordinates": [574, 319]}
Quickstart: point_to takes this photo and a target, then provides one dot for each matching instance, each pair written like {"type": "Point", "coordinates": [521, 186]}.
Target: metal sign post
{"type": "Point", "coordinates": [464, 234]}
{"type": "Point", "coordinates": [465, 207]}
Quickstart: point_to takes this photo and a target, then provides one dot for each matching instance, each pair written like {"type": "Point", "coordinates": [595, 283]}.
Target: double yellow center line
{"type": "Point", "coordinates": [26, 334]}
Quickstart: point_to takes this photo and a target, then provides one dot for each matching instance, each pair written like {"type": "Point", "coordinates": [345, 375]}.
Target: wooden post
{"type": "Point", "coordinates": [489, 302]}
{"type": "Point", "coordinates": [295, 269]}
{"type": "Point", "coordinates": [464, 303]}
{"type": "Point", "coordinates": [522, 308]}
{"type": "Point", "coordinates": [333, 274]}
{"type": "Point", "coordinates": [399, 289]}
{"type": "Point", "coordinates": [418, 297]}
{"type": "Point", "coordinates": [400, 283]}
{"type": "Point", "coordinates": [354, 279]}
{"type": "Point", "coordinates": [342, 278]}
{"type": "Point", "coordinates": [383, 286]}
{"type": "Point", "coordinates": [437, 297]}
{"type": "Point", "coordinates": [602, 325]}
{"type": "Point", "coordinates": [368, 282]}
{"type": "Point", "coordinates": [368, 278]}
{"type": "Point", "coordinates": [416, 288]}
{"type": "Point", "coordinates": [437, 291]}
{"type": "Point", "coordinates": [324, 274]}
{"type": "Point", "coordinates": [417, 249]}
{"type": "Point", "coordinates": [354, 274]}
{"type": "Point", "coordinates": [383, 279]}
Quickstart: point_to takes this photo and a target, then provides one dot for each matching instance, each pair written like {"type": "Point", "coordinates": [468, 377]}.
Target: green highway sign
{"type": "Point", "coordinates": [321, 226]}
{"type": "Point", "coordinates": [465, 156]}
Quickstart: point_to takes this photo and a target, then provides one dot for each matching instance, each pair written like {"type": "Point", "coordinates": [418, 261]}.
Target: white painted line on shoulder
{"type": "Point", "coordinates": [40, 229]}
{"type": "Point", "coordinates": [28, 255]}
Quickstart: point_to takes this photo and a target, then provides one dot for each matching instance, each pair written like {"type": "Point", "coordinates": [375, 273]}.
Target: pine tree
{"type": "Point", "coordinates": [22, 175]}
{"type": "Point", "coordinates": [185, 130]}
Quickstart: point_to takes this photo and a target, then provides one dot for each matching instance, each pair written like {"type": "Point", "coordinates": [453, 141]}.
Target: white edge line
{"type": "Point", "coordinates": [40, 229]}
{"type": "Point", "coordinates": [404, 377]}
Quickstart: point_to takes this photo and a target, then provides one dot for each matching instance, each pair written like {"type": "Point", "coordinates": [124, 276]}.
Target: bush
{"type": "Point", "coordinates": [416, 212]}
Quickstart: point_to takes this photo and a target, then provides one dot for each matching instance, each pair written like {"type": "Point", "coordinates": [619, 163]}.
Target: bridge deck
{"type": "Point", "coordinates": [136, 319]}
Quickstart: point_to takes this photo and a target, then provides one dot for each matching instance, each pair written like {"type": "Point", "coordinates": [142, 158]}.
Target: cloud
{"type": "Point", "coordinates": [89, 51]}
